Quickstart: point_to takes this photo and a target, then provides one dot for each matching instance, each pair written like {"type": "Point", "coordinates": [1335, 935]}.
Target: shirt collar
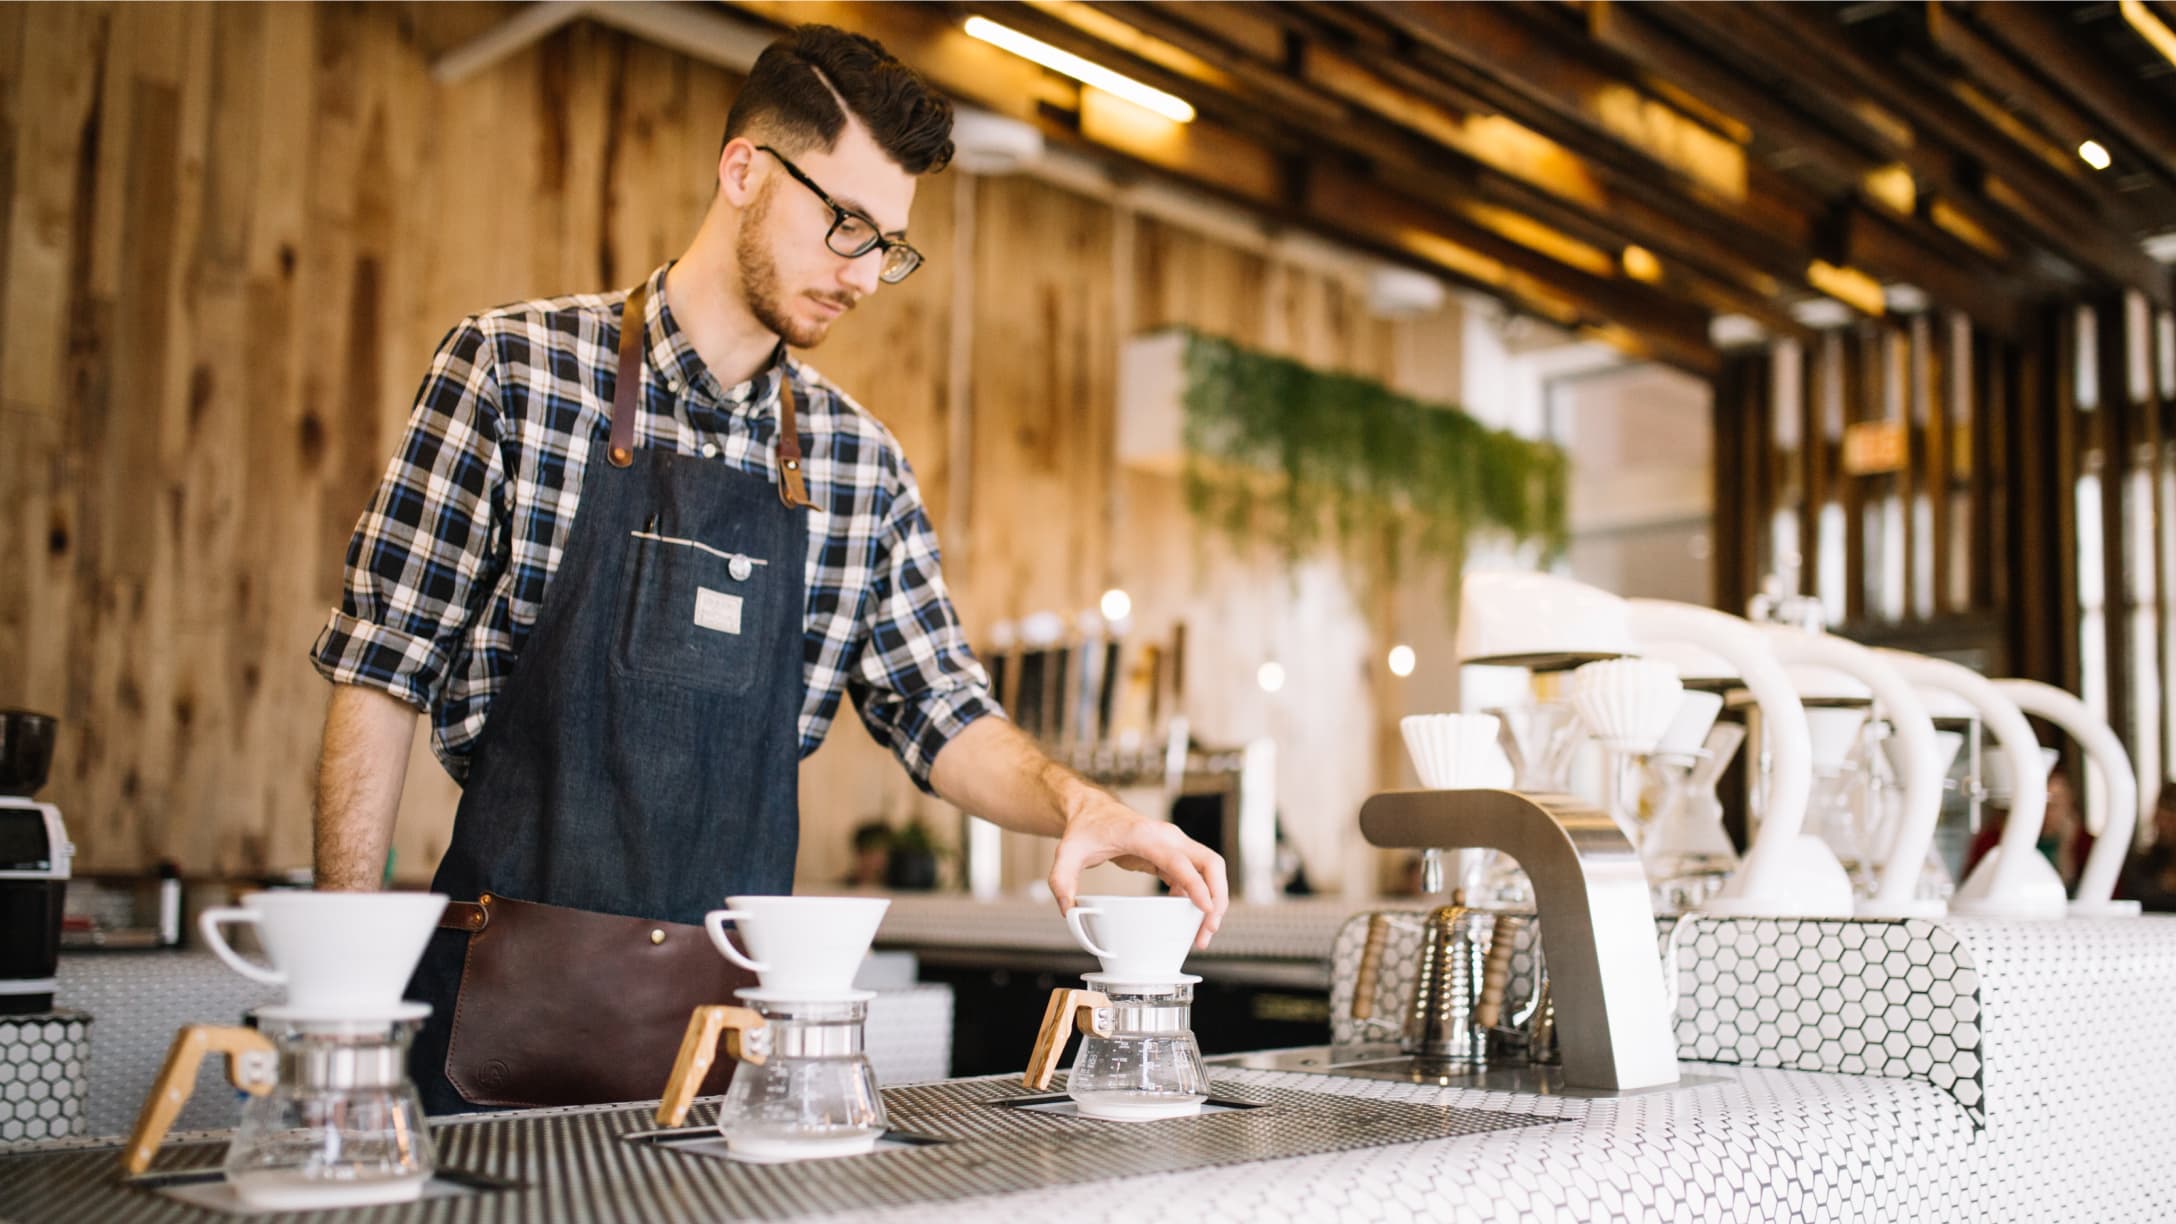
{"type": "Point", "coordinates": [673, 356]}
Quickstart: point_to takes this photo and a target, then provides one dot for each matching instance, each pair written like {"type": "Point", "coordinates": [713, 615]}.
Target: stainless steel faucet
{"type": "Point", "coordinates": [1598, 934]}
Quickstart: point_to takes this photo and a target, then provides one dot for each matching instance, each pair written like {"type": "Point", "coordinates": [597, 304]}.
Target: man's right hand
{"type": "Point", "coordinates": [360, 770]}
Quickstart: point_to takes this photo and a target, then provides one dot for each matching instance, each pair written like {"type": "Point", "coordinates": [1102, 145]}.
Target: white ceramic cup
{"type": "Point", "coordinates": [1138, 939]}
{"type": "Point", "coordinates": [340, 955]}
{"type": "Point", "coordinates": [806, 946]}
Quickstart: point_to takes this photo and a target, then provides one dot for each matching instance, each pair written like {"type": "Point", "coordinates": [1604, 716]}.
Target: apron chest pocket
{"type": "Point", "coordinates": [696, 616]}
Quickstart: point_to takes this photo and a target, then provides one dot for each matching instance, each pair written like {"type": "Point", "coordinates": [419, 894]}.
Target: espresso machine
{"type": "Point", "coordinates": [35, 858]}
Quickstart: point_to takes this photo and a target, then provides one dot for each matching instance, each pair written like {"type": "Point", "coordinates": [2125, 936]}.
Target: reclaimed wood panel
{"type": "Point", "coordinates": [230, 238]}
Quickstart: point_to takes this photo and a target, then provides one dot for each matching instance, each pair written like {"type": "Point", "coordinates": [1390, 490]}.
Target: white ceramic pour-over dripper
{"type": "Point", "coordinates": [1141, 941]}
{"type": "Point", "coordinates": [1627, 704]}
{"type": "Point", "coordinates": [2013, 881]}
{"type": "Point", "coordinates": [1456, 751]}
{"type": "Point", "coordinates": [1932, 881]}
{"type": "Point", "coordinates": [1688, 729]}
{"type": "Point", "coordinates": [1783, 874]}
{"type": "Point", "coordinates": [341, 956]}
{"type": "Point", "coordinates": [1913, 751]}
{"type": "Point", "coordinates": [1539, 741]}
{"type": "Point", "coordinates": [2112, 830]}
{"type": "Point", "coordinates": [1837, 711]}
{"type": "Point", "coordinates": [1834, 731]}
{"type": "Point", "coordinates": [1683, 831]}
{"type": "Point", "coordinates": [803, 949]}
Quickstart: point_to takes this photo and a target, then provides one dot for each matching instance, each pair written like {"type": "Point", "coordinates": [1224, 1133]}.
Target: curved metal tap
{"type": "Point", "coordinates": [1597, 924]}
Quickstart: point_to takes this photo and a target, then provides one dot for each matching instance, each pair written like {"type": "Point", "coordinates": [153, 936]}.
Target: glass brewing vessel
{"type": "Point", "coordinates": [342, 1126]}
{"type": "Point", "coordinates": [814, 1094]}
{"type": "Point", "coordinates": [1150, 1065]}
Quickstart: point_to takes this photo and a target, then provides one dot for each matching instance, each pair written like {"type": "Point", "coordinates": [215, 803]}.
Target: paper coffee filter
{"type": "Point", "coordinates": [1834, 730]}
{"type": "Point", "coordinates": [1997, 765]}
{"type": "Point", "coordinates": [1688, 729]}
{"type": "Point", "coordinates": [1456, 751]}
{"type": "Point", "coordinates": [1627, 704]}
{"type": "Point", "coordinates": [1947, 744]}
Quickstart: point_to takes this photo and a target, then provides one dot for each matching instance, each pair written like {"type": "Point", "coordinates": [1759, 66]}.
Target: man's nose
{"type": "Point", "coordinates": [860, 274]}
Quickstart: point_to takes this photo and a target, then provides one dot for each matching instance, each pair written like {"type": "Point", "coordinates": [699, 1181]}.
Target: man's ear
{"type": "Point", "coordinates": [737, 176]}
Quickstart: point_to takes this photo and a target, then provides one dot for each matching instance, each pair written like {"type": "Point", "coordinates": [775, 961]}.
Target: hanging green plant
{"type": "Point", "coordinates": [1278, 450]}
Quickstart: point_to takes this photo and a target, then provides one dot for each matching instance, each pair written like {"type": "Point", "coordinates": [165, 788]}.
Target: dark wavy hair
{"type": "Point", "coordinates": [794, 92]}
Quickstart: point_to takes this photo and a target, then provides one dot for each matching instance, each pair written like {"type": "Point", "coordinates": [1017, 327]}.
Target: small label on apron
{"type": "Point", "coordinates": [717, 611]}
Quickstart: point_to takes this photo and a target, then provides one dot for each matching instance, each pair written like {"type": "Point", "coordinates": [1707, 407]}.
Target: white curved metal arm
{"type": "Point", "coordinates": [2097, 883]}
{"type": "Point", "coordinates": [1915, 737]}
{"type": "Point", "coordinates": [2015, 882]}
{"type": "Point", "coordinates": [1783, 719]}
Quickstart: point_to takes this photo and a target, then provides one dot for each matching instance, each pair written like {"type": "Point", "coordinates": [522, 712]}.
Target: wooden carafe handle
{"type": "Point", "coordinates": [1067, 1009]}
{"type": "Point", "coordinates": [1371, 966]}
{"type": "Point", "coordinates": [699, 1049]}
{"type": "Point", "coordinates": [1496, 972]}
{"type": "Point", "coordinates": [177, 1079]}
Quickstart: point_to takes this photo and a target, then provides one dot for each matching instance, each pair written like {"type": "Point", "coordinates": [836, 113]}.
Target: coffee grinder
{"type": "Point", "coordinates": [35, 856]}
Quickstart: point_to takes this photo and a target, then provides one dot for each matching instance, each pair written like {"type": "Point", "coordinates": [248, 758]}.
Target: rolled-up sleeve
{"type": "Point", "coordinates": [915, 681]}
{"type": "Point", "coordinates": [424, 550]}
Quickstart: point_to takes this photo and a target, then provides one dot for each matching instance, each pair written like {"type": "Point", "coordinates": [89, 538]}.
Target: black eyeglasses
{"type": "Point", "coordinates": [853, 235]}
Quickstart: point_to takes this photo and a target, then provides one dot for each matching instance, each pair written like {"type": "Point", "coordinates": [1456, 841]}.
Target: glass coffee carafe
{"type": "Point", "coordinates": [1138, 1058]}
{"type": "Point", "coordinates": [331, 1118]}
{"type": "Point", "coordinates": [342, 1126]}
{"type": "Point", "coordinates": [803, 1087]}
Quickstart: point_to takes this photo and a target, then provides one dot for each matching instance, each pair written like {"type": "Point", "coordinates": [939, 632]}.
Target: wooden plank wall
{"type": "Point", "coordinates": [2043, 458]}
{"type": "Point", "coordinates": [230, 237]}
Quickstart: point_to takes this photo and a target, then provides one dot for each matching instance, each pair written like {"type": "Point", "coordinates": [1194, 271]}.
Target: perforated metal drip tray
{"type": "Point", "coordinates": [951, 1141]}
{"type": "Point", "coordinates": [1060, 1105]}
{"type": "Point", "coordinates": [1385, 1062]}
{"type": "Point", "coordinates": [707, 1141]}
{"type": "Point", "coordinates": [210, 1190]}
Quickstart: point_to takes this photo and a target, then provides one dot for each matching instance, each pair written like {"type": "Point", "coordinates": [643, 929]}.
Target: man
{"type": "Point", "coordinates": [630, 604]}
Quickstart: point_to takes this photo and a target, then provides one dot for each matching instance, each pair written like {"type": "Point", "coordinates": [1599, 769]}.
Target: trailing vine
{"type": "Point", "coordinates": [1276, 449]}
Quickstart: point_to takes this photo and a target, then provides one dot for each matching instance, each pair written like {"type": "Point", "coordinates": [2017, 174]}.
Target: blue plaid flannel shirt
{"type": "Point", "coordinates": [447, 569]}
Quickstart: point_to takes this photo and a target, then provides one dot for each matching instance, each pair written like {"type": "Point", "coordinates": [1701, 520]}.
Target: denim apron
{"type": "Point", "coordinates": [642, 758]}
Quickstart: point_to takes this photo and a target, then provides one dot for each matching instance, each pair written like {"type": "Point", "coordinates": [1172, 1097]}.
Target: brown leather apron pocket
{"type": "Point", "coordinates": [563, 1006]}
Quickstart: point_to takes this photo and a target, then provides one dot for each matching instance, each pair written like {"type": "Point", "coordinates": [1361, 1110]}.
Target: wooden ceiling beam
{"type": "Point", "coordinates": [1236, 99]}
{"type": "Point", "coordinates": [1696, 264]}
{"type": "Point", "coordinates": [1667, 331]}
{"type": "Point", "coordinates": [1993, 64]}
{"type": "Point", "coordinates": [1875, 240]}
{"type": "Point", "coordinates": [1211, 155]}
{"type": "Point", "coordinates": [2040, 40]}
{"type": "Point", "coordinates": [1085, 31]}
{"type": "Point", "coordinates": [2064, 215]}
{"type": "Point", "coordinates": [1881, 106]}
{"type": "Point", "coordinates": [1774, 122]}
{"type": "Point", "coordinates": [1523, 168]}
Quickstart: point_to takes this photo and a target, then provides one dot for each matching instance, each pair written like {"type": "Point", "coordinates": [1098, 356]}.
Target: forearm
{"type": "Point", "coordinates": [360, 771]}
{"type": "Point", "coordinates": [993, 770]}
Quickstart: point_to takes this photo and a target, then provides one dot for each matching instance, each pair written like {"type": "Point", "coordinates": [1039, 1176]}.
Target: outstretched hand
{"type": "Point", "coordinates": [1103, 830]}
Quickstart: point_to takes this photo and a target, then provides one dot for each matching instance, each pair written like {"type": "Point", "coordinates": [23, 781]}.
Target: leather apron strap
{"type": "Point", "coordinates": [627, 398]}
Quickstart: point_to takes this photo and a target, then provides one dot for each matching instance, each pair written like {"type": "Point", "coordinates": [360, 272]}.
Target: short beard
{"type": "Point", "coordinates": [759, 279]}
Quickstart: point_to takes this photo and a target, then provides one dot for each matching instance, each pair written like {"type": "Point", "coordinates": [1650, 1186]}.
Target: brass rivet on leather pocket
{"type": "Point", "coordinates": [657, 937]}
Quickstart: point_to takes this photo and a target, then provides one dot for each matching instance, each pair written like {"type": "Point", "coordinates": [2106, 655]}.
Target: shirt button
{"type": "Point", "coordinates": [710, 450]}
{"type": "Point", "coordinates": [740, 569]}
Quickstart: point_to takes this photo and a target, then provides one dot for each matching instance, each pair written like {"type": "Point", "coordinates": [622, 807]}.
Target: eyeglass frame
{"type": "Point", "coordinates": [839, 215]}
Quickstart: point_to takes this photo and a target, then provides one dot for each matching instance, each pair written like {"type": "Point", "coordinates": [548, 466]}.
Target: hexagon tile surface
{"type": "Point", "coordinates": [1894, 999]}
{"type": "Point", "coordinates": [44, 1065]}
